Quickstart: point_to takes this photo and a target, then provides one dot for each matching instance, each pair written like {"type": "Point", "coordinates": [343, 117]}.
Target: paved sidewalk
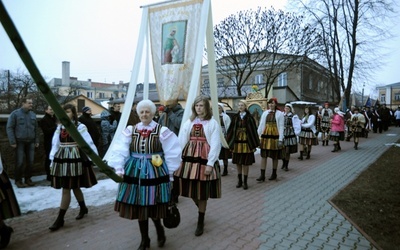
{"type": "Point", "coordinates": [292, 212]}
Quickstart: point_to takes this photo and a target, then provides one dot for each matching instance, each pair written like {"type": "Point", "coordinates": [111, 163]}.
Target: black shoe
{"type": "Point", "coordinates": [82, 213]}
{"type": "Point", "coordinates": [273, 177]}
{"type": "Point", "coordinates": [5, 233]}
{"type": "Point", "coordinates": [261, 179]}
{"type": "Point", "coordinates": [225, 173]}
{"type": "Point", "coordinates": [199, 229]}
{"type": "Point", "coordinates": [57, 225]}
{"type": "Point", "coordinates": [161, 238]}
{"type": "Point", "coordinates": [144, 244]}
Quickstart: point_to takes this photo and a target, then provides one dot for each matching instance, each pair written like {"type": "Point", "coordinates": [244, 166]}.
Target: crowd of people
{"type": "Point", "coordinates": [160, 157]}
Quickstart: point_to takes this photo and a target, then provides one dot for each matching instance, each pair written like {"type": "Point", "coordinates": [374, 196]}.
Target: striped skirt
{"type": "Point", "coordinates": [242, 155]}
{"type": "Point", "coordinates": [71, 169]}
{"type": "Point", "coordinates": [290, 141]}
{"type": "Point", "coordinates": [9, 207]}
{"type": "Point", "coordinates": [307, 137]}
{"type": "Point", "coordinates": [336, 135]}
{"type": "Point", "coordinates": [190, 180]}
{"type": "Point", "coordinates": [269, 142]}
{"type": "Point", "coordinates": [146, 190]}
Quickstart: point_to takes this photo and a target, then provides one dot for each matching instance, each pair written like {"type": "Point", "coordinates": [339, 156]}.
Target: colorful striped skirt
{"type": "Point", "coordinates": [146, 190]}
{"type": "Point", "coordinates": [190, 180]}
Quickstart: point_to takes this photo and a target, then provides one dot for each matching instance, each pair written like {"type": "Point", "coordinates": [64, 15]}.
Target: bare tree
{"type": "Point", "coordinates": [267, 40]}
{"type": "Point", "coordinates": [352, 31]}
{"type": "Point", "coordinates": [14, 87]}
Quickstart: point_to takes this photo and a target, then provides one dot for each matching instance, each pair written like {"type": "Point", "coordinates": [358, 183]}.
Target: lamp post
{"type": "Point", "coordinates": [362, 95]}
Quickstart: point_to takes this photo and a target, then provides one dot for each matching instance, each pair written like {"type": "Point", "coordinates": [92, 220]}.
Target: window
{"type": "Point", "coordinates": [310, 83]}
{"type": "Point", "coordinates": [320, 86]}
{"type": "Point", "coordinates": [101, 95]}
{"type": "Point", "coordinates": [383, 98]}
{"type": "Point", "coordinates": [206, 83]}
{"type": "Point", "coordinates": [220, 82]}
{"type": "Point", "coordinates": [397, 96]}
{"type": "Point", "coordinates": [259, 79]}
{"type": "Point", "coordinates": [89, 94]}
{"type": "Point", "coordinates": [282, 79]}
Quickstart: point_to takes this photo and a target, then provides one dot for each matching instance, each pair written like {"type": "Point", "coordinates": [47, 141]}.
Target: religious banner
{"type": "Point", "coordinates": [174, 28]}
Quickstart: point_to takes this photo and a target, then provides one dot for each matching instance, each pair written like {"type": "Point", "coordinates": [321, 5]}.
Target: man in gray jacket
{"type": "Point", "coordinates": [22, 132]}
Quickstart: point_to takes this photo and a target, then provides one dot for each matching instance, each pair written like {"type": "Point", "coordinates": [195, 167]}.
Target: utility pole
{"type": "Point", "coordinates": [362, 95]}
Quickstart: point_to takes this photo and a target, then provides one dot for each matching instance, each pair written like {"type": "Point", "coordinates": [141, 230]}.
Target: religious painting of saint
{"type": "Point", "coordinates": [173, 37]}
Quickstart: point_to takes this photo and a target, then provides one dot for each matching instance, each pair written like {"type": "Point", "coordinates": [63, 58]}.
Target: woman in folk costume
{"type": "Point", "coordinates": [292, 127]}
{"type": "Point", "coordinates": [271, 132]}
{"type": "Point", "coordinates": [357, 126]}
{"type": "Point", "coordinates": [243, 141]}
{"type": "Point", "coordinates": [146, 157]}
{"type": "Point", "coordinates": [9, 207]}
{"type": "Point", "coordinates": [70, 167]}
{"type": "Point", "coordinates": [307, 137]}
{"type": "Point", "coordinates": [198, 176]}
{"type": "Point", "coordinates": [325, 116]}
{"type": "Point", "coordinates": [337, 129]}
{"type": "Point", "coordinates": [225, 153]}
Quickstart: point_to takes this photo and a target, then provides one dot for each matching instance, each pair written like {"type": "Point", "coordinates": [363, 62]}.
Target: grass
{"type": "Point", "coordinates": [372, 201]}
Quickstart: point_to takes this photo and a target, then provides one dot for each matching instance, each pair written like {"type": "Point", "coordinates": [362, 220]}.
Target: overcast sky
{"type": "Point", "coordinates": [98, 37]}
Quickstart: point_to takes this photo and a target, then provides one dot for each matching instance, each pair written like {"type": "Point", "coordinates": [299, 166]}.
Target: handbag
{"type": "Point", "coordinates": [173, 216]}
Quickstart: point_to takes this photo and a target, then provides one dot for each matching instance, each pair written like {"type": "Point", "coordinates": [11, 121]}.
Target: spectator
{"type": "Point", "coordinates": [225, 121]}
{"type": "Point", "coordinates": [107, 129]}
{"type": "Point", "coordinates": [23, 135]}
{"type": "Point", "coordinates": [397, 116]}
{"type": "Point", "coordinates": [48, 124]}
{"type": "Point", "coordinates": [93, 129]}
{"type": "Point", "coordinates": [71, 168]}
{"type": "Point", "coordinates": [173, 116]}
{"type": "Point", "coordinates": [133, 117]}
{"type": "Point", "coordinates": [115, 112]}
{"type": "Point", "coordinates": [386, 117]}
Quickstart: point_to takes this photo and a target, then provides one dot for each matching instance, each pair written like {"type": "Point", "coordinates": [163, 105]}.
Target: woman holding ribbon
{"type": "Point", "coordinates": [146, 157]}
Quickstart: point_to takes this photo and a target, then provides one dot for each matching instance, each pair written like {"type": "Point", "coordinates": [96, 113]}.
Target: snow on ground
{"type": "Point", "coordinates": [42, 196]}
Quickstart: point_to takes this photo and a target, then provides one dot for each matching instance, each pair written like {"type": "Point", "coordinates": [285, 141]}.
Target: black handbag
{"type": "Point", "coordinates": [173, 217]}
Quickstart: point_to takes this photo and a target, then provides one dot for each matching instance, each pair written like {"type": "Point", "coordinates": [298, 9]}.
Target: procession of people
{"type": "Point", "coordinates": [159, 162]}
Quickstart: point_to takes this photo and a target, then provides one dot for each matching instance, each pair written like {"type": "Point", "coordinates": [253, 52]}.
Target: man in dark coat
{"type": "Point", "coordinates": [93, 129]}
{"type": "Point", "coordinates": [48, 124]}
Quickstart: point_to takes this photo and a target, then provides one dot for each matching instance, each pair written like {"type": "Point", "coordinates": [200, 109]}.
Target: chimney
{"type": "Point", "coordinates": [65, 74]}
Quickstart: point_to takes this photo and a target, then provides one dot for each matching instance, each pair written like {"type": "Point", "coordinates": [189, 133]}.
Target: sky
{"type": "Point", "coordinates": [99, 37]}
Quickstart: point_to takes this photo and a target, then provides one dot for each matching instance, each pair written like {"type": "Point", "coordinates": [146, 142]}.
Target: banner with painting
{"type": "Point", "coordinates": [174, 28]}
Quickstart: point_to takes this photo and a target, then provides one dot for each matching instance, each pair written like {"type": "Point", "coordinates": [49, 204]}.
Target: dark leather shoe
{"type": "Point", "coordinates": [29, 182]}
{"type": "Point", "coordinates": [57, 225]}
{"type": "Point", "coordinates": [20, 184]}
{"type": "Point", "coordinates": [144, 244]}
{"type": "Point", "coordinates": [82, 213]}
